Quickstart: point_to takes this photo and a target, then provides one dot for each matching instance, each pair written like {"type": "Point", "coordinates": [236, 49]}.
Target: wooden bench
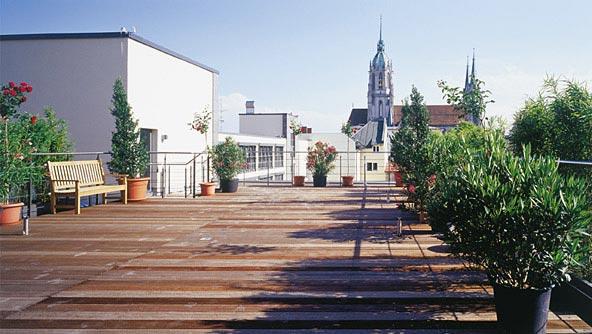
{"type": "Point", "coordinates": [80, 178]}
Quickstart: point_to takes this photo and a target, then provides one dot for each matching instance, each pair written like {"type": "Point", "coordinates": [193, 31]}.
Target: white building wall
{"type": "Point", "coordinates": [269, 125]}
{"type": "Point", "coordinates": [74, 76]}
{"type": "Point", "coordinates": [258, 141]}
{"type": "Point", "coordinates": [345, 164]}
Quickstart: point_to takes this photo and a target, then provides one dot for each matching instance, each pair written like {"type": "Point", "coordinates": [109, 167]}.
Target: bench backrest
{"type": "Point", "coordinates": [88, 172]}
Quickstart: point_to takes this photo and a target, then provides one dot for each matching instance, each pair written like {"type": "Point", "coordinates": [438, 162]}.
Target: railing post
{"type": "Point", "coordinates": [340, 175]}
{"type": "Point", "coordinates": [30, 199]}
{"type": "Point", "coordinates": [365, 169]}
{"type": "Point", "coordinates": [194, 169]}
{"type": "Point", "coordinates": [185, 186]}
{"type": "Point", "coordinates": [268, 173]}
{"type": "Point", "coordinates": [203, 171]}
{"type": "Point", "coordinates": [208, 167]}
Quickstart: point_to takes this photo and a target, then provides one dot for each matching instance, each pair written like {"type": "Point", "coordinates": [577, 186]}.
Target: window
{"type": "Point", "coordinates": [371, 166]}
{"type": "Point", "coordinates": [376, 148]}
{"type": "Point", "coordinates": [279, 156]}
{"type": "Point", "coordinates": [381, 81]}
{"type": "Point", "coordinates": [250, 156]}
{"type": "Point", "coordinates": [265, 156]}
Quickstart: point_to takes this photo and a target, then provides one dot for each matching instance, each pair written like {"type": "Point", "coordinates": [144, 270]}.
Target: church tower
{"type": "Point", "coordinates": [380, 85]}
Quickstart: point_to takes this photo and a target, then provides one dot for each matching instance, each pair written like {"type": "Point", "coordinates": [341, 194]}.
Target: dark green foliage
{"type": "Point", "coordinates": [516, 216]}
{"type": "Point", "coordinates": [472, 102]}
{"type": "Point", "coordinates": [557, 123]}
{"type": "Point", "coordinates": [228, 159]}
{"type": "Point", "coordinates": [128, 154]}
{"type": "Point", "coordinates": [408, 145]}
{"type": "Point", "coordinates": [447, 153]}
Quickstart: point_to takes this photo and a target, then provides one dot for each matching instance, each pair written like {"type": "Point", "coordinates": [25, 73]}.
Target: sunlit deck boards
{"type": "Point", "coordinates": [263, 259]}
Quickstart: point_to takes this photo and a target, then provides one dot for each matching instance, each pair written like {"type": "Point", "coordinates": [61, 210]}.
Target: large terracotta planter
{"type": "Point", "coordinates": [10, 213]}
{"type": "Point", "coordinates": [298, 181]}
{"type": "Point", "coordinates": [207, 188]}
{"type": "Point", "coordinates": [137, 188]}
{"type": "Point", "coordinates": [347, 181]}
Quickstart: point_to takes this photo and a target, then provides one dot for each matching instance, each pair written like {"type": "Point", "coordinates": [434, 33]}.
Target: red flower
{"type": "Point", "coordinates": [29, 89]}
{"type": "Point", "coordinates": [23, 89]}
{"type": "Point", "coordinates": [5, 92]}
{"type": "Point", "coordinates": [12, 92]}
{"type": "Point", "coordinates": [411, 188]}
{"type": "Point", "coordinates": [12, 84]}
{"type": "Point", "coordinates": [24, 84]}
{"type": "Point", "coordinates": [33, 120]}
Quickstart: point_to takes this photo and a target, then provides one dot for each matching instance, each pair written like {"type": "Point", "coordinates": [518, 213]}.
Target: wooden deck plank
{"type": "Point", "coordinates": [263, 260]}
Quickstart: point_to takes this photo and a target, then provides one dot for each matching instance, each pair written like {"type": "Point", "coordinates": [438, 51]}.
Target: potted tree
{"type": "Point", "coordinates": [320, 162]}
{"type": "Point", "coordinates": [296, 128]}
{"type": "Point", "coordinates": [347, 180]}
{"type": "Point", "coordinates": [201, 124]}
{"type": "Point", "coordinates": [228, 160]}
{"type": "Point", "coordinates": [129, 157]}
{"type": "Point", "coordinates": [15, 144]}
{"type": "Point", "coordinates": [519, 220]}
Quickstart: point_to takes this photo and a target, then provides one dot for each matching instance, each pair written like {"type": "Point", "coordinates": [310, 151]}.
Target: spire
{"type": "Point", "coordinates": [473, 68]}
{"type": "Point", "coordinates": [380, 35]}
{"type": "Point", "coordinates": [380, 42]}
{"type": "Point", "coordinates": [467, 75]}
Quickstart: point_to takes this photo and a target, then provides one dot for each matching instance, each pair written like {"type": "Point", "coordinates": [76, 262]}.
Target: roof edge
{"type": "Point", "coordinates": [89, 35]}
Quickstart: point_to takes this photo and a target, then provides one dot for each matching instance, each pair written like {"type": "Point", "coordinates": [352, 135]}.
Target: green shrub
{"type": "Point", "coordinates": [128, 153]}
{"type": "Point", "coordinates": [515, 216]}
{"type": "Point", "coordinates": [227, 159]}
{"type": "Point", "coordinates": [408, 147]}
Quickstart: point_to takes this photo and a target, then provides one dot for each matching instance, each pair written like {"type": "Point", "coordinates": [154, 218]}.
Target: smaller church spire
{"type": "Point", "coordinates": [467, 75]}
{"type": "Point", "coordinates": [473, 68]}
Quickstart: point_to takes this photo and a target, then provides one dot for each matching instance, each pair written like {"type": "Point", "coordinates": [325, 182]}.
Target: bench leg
{"type": "Point", "coordinates": [104, 199]}
{"type": "Point", "coordinates": [124, 196]}
{"type": "Point", "coordinates": [53, 203]}
{"type": "Point", "coordinates": [77, 205]}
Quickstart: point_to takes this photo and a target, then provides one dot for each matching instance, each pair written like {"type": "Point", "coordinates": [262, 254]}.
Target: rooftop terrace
{"type": "Point", "coordinates": [265, 258]}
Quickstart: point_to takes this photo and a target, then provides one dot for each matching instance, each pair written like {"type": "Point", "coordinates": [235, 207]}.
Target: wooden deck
{"type": "Point", "coordinates": [264, 260]}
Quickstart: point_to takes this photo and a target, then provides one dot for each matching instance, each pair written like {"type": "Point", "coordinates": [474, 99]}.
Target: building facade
{"type": "Point", "coordinates": [75, 72]}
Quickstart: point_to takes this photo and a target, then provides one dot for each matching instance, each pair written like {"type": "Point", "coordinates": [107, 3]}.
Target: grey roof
{"type": "Point", "coordinates": [370, 134]}
{"type": "Point", "coordinates": [358, 117]}
{"type": "Point", "coordinates": [131, 35]}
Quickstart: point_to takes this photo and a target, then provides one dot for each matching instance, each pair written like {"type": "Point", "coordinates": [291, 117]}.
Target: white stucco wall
{"type": "Point", "coordinates": [345, 164]}
{"type": "Point", "coordinates": [74, 76]}
{"type": "Point", "coordinates": [165, 92]}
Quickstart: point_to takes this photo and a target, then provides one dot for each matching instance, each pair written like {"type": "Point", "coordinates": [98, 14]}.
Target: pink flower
{"type": "Point", "coordinates": [12, 92]}
{"type": "Point", "coordinates": [411, 188]}
{"type": "Point", "coordinates": [11, 84]}
{"type": "Point", "coordinates": [29, 89]}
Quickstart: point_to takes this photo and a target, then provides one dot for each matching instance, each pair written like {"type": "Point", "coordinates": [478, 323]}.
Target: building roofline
{"type": "Point", "coordinates": [268, 113]}
{"type": "Point", "coordinates": [97, 35]}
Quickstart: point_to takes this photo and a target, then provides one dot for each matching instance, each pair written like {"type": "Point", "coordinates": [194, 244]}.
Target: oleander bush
{"type": "Point", "coordinates": [228, 159]}
{"type": "Point", "coordinates": [516, 216]}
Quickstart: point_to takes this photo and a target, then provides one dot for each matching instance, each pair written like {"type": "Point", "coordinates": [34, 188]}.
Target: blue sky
{"type": "Point", "coordinates": [311, 57]}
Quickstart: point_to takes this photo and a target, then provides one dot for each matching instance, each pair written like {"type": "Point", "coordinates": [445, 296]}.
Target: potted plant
{"type": "Point", "coordinates": [519, 220]}
{"type": "Point", "coordinates": [347, 180]}
{"type": "Point", "coordinates": [228, 160]}
{"type": "Point", "coordinates": [201, 124]}
{"type": "Point", "coordinates": [129, 157]}
{"type": "Point", "coordinates": [320, 162]}
{"type": "Point", "coordinates": [13, 167]}
{"type": "Point", "coordinates": [296, 128]}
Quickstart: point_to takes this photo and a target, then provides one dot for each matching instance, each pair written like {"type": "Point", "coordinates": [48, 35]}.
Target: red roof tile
{"type": "Point", "coordinates": [440, 115]}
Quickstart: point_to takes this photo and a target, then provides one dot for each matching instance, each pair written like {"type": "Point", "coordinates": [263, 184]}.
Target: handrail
{"type": "Point", "coordinates": [572, 162]}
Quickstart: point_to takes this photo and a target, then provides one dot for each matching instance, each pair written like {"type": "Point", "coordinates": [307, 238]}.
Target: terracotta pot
{"type": "Point", "coordinates": [398, 179]}
{"type": "Point", "coordinates": [207, 188]}
{"type": "Point", "coordinates": [137, 188]}
{"type": "Point", "coordinates": [347, 181]}
{"type": "Point", "coordinates": [298, 181]}
{"type": "Point", "coordinates": [10, 213]}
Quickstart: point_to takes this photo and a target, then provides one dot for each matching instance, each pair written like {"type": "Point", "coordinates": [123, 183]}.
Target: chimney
{"type": "Point", "coordinates": [250, 105]}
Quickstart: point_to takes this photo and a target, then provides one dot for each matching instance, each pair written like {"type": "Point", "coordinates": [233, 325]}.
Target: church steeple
{"type": "Point", "coordinates": [467, 75]}
{"type": "Point", "coordinates": [380, 92]}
